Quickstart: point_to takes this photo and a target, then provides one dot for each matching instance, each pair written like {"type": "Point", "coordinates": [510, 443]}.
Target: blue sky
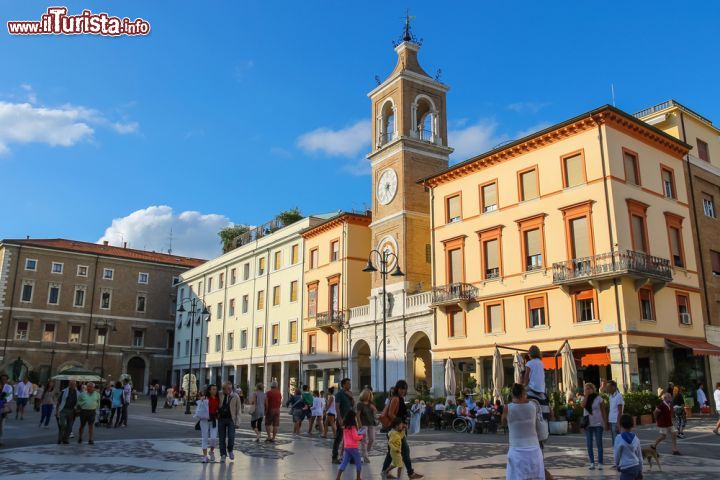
{"type": "Point", "coordinates": [236, 112]}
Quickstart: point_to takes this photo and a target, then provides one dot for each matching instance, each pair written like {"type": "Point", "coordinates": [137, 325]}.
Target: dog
{"type": "Point", "coordinates": [649, 453]}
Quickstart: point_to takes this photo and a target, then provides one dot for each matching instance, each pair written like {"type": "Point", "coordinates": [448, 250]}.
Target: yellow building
{"type": "Point", "coordinates": [579, 232]}
{"type": "Point", "coordinates": [335, 254]}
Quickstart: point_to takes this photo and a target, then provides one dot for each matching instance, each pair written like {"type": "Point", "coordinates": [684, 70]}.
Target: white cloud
{"type": "Point", "coordinates": [194, 234]}
{"type": "Point", "coordinates": [475, 139]}
{"type": "Point", "coordinates": [527, 107]}
{"type": "Point", "coordinates": [125, 128]}
{"type": "Point", "coordinates": [31, 95]}
{"type": "Point", "coordinates": [346, 142]}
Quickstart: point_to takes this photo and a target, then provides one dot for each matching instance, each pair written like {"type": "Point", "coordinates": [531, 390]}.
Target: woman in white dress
{"type": "Point", "coordinates": [524, 458]}
{"type": "Point", "coordinates": [415, 414]}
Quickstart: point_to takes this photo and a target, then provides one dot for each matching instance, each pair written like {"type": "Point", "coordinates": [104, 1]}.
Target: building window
{"type": "Point", "coordinates": [455, 265]}
{"type": "Point", "coordinates": [453, 209]}
{"type": "Point", "coordinates": [314, 256]}
{"type": "Point", "coordinates": [101, 336]}
{"type": "Point", "coordinates": [245, 302]}
{"type": "Point", "coordinates": [259, 337]}
{"type": "Point", "coordinates": [312, 300]}
{"type": "Point", "coordinates": [335, 251]}
{"type": "Point", "coordinates": [456, 322]}
{"type": "Point", "coordinates": [312, 344]}
{"type": "Point", "coordinates": [260, 300]}
{"type": "Point", "coordinates": [27, 291]}
{"type": "Point", "coordinates": [277, 260]}
{"type": "Point", "coordinates": [231, 308]}
{"type": "Point", "coordinates": [79, 300]}
{"type": "Point", "coordinates": [632, 169]}
{"type": "Point", "coordinates": [293, 291]}
{"type": "Point", "coordinates": [261, 266]}
{"type": "Point", "coordinates": [585, 306]}
{"type": "Point", "coordinates": [187, 347]}
{"type": "Point", "coordinates": [333, 342]}
{"type": "Point", "coordinates": [488, 197]}
{"type": "Point", "coordinates": [533, 250]}
{"type": "Point", "coordinates": [573, 167]}
{"type": "Point", "coordinates": [75, 332]}
{"type": "Point", "coordinates": [233, 276]}
{"type": "Point", "coordinates": [31, 264]}
{"type": "Point", "coordinates": [491, 253]}
{"type": "Point", "coordinates": [200, 288]}
{"type": "Point", "coordinates": [221, 280]}
{"type": "Point", "coordinates": [668, 182]}
{"type": "Point", "coordinates": [579, 234]}
{"type": "Point", "coordinates": [209, 284]}
{"type": "Point", "coordinates": [333, 297]}
{"type": "Point", "coordinates": [219, 311]}
{"type": "Point", "coordinates": [647, 304]}
{"type": "Point", "coordinates": [638, 226]}
{"type": "Point", "coordinates": [143, 278]}
{"type": "Point", "coordinates": [276, 295]}
{"type": "Point", "coordinates": [108, 273]}
{"type": "Point", "coordinates": [536, 311]}
{"type": "Point", "coordinates": [674, 226]}
{"type": "Point", "coordinates": [275, 334]}
{"type": "Point", "coordinates": [48, 335]}
{"type": "Point", "coordinates": [140, 303]}
{"type": "Point", "coordinates": [294, 254]}
{"type": "Point", "coordinates": [703, 150]}
{"type": "Point", "coordinates": [292, 333]}
{"type": "Point", "coordinates": [56, 267]}
{"type": "Point", "coordinates": [230, 342]}
{"type": "Point", "coordinates": [138, 338]}
{"type": "Point", "coordinates": [196, 347]}
{"type": "Point", "coordinates": [54, 294]}
{"type": "Point", "coordinates": [82, 271]}
{"type": "Point", "coordinates": [243, 339]}
{"type": "Point", "coordinates": [683, 308]}
{"type": "Point", "coordinates": [21, 331]}
{"type": "Point", "coordinates": [105, 300]}
{"type": "Point", "coordinates": [715, 260]}
{"type": "Point", "coordinates": [177, 350]}
{"type": "Point", "coordinates": [494, 318]}
{"type": "Point", "coordinates": [175, 280]}
{"type": "Point", "coordinates": [218, 342]}
{"type": "Point", "coordinates": [580, 238]}
{"type": "Point", "coordinates": [708, 205]}
{"type": "Point", "coordinates": [528, 184]}
{"type": "Point", "coordinates": [246, 271]}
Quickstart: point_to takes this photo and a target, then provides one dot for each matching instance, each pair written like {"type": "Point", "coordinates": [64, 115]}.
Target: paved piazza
{"type": "Point", "coordinates": [164, 446]}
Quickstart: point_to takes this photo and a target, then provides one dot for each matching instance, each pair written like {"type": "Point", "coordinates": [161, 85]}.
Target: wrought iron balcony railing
{"type": "Point", "coordinates": [333, 320]}
{"type": "Point", "coordinates": [454, 293]}
{"type": "Point", "coordinates": [609, 265]}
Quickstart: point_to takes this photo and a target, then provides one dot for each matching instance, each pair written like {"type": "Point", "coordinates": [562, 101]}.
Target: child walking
{"type": "Point", "coordinates": [628, 454]}
{"type": "Point", "coordinates": [351, 440]}
{"type": "Point", "coordinates": [395, 438]}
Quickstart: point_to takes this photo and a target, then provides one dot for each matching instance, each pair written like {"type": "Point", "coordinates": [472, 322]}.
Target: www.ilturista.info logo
{"type": "Point", "coordinates": [57, 22]}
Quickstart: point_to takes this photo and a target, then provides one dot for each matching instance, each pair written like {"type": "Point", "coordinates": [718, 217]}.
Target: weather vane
{"type": "Point", "coordinates": [407, 35]}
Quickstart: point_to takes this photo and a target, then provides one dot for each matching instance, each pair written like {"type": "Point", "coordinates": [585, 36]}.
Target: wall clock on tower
{"type": "Point", "coordinates": [387, 186]}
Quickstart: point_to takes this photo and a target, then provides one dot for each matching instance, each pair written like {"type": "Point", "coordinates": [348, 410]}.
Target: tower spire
{"type": "Point", "coordinates": [407, 35]}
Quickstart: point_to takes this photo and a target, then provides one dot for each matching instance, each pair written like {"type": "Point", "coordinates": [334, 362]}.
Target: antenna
{"type": "Point", "coordinates": [171, 238]}
{"type": "Point", "coordinates": [612, 91]}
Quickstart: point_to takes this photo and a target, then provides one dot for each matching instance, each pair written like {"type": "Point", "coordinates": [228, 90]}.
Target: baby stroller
{"type": "Point", "coordinates": [103, 417]}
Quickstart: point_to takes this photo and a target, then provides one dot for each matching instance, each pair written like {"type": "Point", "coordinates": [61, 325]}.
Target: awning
{"type": "Point", "coordinates": [698, 345]}
{"type": "Point", "coordinates": [549, 362]}
{"type": "Point", "coordinates": [599, 359]}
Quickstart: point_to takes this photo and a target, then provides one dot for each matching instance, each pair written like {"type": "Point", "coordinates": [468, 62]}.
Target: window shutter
{"type": "Point", "coordinates": [580, 237]}
{"type": "Point", "coordinates": [703, 152]}
{"type": "Point", "coordinates": [574, 174]}
{"type": "Point", "coordinates": [675, 244]}
{"type": "Point", "coordinates": [453, 207]}
{"type": "Point", "coordinates": [489, 193]}
{"type": "Point", "coordinates": [584, 295]}
{"type": "Point", "coordinates": [534, 303]}
{"type": "Point", "coordinates": [638, 234]}
{"type": "Point", "coordinates": [492, 257]}
{"type": "Point", "coordinates": [455, 266]}
{"type": "Point", "coordinates": [532, 242]}
{"type": "Point", "coordinates": [494, 318]}
{"type": "Point", "coordinates": [630, 168]}
{"type": "Point", "coordinates": [529, 185]}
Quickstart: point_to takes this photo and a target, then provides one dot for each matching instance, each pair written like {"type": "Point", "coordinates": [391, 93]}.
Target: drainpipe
{"type": "Point", "coordinates": [92, 305]}
{"type": "Point", "coordinates": [12, 299]}
{"type": "Point", "coordinates": [612, 255]}
{"type": "Point", "coordinates": [265, 320]}
{"type": "Point", "coordinates": [433, 270]}
{"type": "Point", "coordinates": [224, 318]}
{"type": "Point", "coordinates": [343, 301]}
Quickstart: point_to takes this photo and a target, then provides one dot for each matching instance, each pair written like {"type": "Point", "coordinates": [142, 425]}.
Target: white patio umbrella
{"type": "Point", "coordinates": [450, 384]}
{"type": "Point", "coordinates": [519, 364]}
{"type": "Point", "coordinates": [498, 375]}
{"type": "Point", "coordinates": [569, 372]}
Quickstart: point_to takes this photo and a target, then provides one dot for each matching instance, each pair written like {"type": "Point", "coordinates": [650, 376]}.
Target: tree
{"type": "Point", "coordinates": [291, 216]}
{"type": "Point", "coordinates": [228, 234]}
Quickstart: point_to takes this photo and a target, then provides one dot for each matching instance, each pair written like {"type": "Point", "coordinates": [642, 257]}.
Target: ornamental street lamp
{"type": "Point", "coordinates": [195, 304]}
{"type": "Point", "coordinates": [384, 258]}
{"type": "Point", "coordinates": [104, 325]}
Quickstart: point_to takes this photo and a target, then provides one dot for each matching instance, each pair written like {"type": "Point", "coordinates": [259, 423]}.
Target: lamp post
{"type": "Point", "coordinates": [105, 324]}
{"type": "Point", "coordinates": [384, 259]}
{"type": "Point", "coordinates": [195, 304]}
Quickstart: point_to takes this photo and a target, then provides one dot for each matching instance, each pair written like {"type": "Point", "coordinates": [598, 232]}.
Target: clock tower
{"type": "Point", "coordinates": [409, 142]}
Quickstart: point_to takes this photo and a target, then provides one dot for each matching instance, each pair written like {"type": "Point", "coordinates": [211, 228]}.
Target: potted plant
{"type": "Point", "coordinates": [558, 423]}
{"type": "Point", "coordinates": [689, 404]}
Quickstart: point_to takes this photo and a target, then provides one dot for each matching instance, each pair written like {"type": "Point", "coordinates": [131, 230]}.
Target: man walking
{"type": "Point", "coordinates": [228, 420]}
{"type": "Point", "coordinates": [716, 396]}
{"type": "Point", "coordinates": [65, 411]}
{"type": "Point", "coordinates": [273, 400]}
{"type": "Point", "coordinates": [88, 401]}
{"type": "Point", "coordinates": [663, 419]}
{"type": "Point", "coordinates": [6, 395]}
{"type": "Point", "coordinates": [343, 404]}
{"type": "Point", "coordinates": [153, 393]}
{"type": "Point", "coordinates": [126, 397]}
{"type": "Point", "coordinates": [22, 393]}
{"type": "Point", "coordinates": [617, 405]}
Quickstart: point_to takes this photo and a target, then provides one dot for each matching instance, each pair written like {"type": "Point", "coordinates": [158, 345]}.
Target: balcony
{"type": "Point", "coordinates": [330, 321]}
{"type": "Point", "coordinates": [459, 294]}
{"type": "Point", "coordinates": [644, 269]}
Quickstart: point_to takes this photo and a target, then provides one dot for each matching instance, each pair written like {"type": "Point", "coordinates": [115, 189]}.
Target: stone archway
{"type": "Point", "coordinates": [362, 369]}
{"type": "Point", "coordinates": [419, 361]}
{"type": "Point", "coordinates": [137, 369]}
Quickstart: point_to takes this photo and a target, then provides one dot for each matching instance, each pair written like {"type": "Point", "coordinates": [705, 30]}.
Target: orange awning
{"type": "Point", "coordinates": [599, 359]}
{"type": "Point", "coordinates": [549, 362]}
{"type": "Point", "coordinates": [698, 345]}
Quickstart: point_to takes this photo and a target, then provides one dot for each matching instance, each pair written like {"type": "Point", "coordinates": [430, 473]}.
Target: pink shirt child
{"type": "Point", "coordinates": [351, 437]}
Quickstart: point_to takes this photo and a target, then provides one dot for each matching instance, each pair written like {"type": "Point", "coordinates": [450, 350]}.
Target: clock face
{"type": "Point", "coordinates": [387, 186]}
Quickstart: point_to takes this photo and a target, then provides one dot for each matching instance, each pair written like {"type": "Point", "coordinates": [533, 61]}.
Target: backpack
{"type": "Point", "coordinates": [389, 412]}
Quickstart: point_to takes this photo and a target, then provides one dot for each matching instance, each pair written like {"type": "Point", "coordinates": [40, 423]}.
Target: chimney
{"type": "Point", "coordinates": [124, 244]}
{"type": "Point", "coordinates": [105, 242]}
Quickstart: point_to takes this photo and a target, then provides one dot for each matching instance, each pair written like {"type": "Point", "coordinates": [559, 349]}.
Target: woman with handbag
{"type": "Point", "coordinates": [297, 409]}
{"type": "Point", "coordinates": [256, 409]}
{"type": "Point", "coordinates": [396, 408]}
{"type": "Point", "coordinates": [366, 412]}
{"type": "Point", "coordinates": [524, 458]}
{"type": "Point", "coordinates": [594, 417]}
{"type": "Point", "coordinates": [330, 413]}
{"type": "Point", "coordinates": [206, 412]}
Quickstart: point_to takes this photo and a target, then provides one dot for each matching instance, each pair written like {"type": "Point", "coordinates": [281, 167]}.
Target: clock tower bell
{"type": "Point", "coordinates": [409, 142]}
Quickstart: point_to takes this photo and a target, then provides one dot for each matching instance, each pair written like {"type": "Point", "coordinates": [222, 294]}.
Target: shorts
{"type": "Point", "coordinates": [272, 418]}
{"type": "Point", "coordinates": [257, 423]}
{"type": "Point", "coordinates": [87, 416]}
{"type": "Point", "coordinates": [666, 430]}
{"type": "Point", "coordinates": [21, 402]}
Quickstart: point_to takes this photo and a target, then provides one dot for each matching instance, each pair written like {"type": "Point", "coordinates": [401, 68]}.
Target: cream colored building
{"type": "Point", "coordinates": [580, 232]}
{"type": "Point", "coordinates": [255, 298]}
